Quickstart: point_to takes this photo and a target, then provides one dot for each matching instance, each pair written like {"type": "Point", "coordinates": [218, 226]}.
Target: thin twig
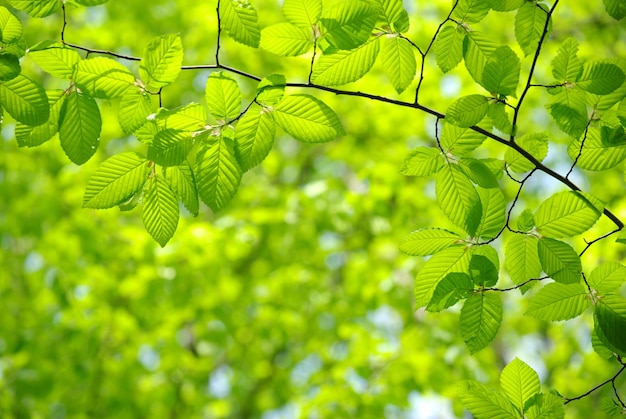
{"type": "Point", "coordinates": [610, 380]}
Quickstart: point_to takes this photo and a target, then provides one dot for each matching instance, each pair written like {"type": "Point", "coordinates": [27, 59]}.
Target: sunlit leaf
{"type": "Point", "coordinates": [159, 210]}
{"type": "Point", "coordinates": [342, 67]}
{"type": "Point", "coordinates": [240, 20]}
{"type": "Point", "coordinates": [103, 77]}
{"type": "Point", "coordinates": [448, 48]}
{"type": "Point", "coordinates": [480, 320]}
{"type": "Point", "coordinates": [557, 301]}
{"type": "Point", "coordinates": [521, 259]}
{"type": "Point", "coordinates": [307, 119]}
{"type": "Point", "coordinates": [161, 61]}
{"type": "Point", "coordinates": [451, 289]}
{"type": "Point", "coordinates": [25, 100]}
{"type": "Point", "coordinates": [602, 149]}
{"type": "Point", "coordinates": [79, 127]}
{"type": "Point", "coordinates": [399, 62]}
{"type": "Point", "coordinates": [566, 66]}
{"type": "Point", "coordinates": [450, 259]}
{"type": "Point", "coordinates": [422, 161]}
{"type": "Point", "coordinates": [170, 147]}
{"type": "Point", "coordinates": [348, 24]}
{"type": "Point", "coordinates": [607, 277]}
{"type": "Point", "coordinates": [566, 214]}
{"type": "Point", "coordinates": [37, 8]}
{"type": "Point", "coordinates": [183, 183]}
{"type": "Point", "coordinates": [55, 59]}
{"type": "Point", "coordinates": [519, 382]}
{"type": "Point", "coordinates": [223, 96]}
{"type": "Point", "coordinates": [485, 403]}
{"type": "Point", "coordinates": [477, 48]}
{"type": "Point", "coordinates": [501, 73]}
{"type": "Point", "coordinates": [535, 143]}
{"type": "Point", "coordinates": [286, 40]}
{"type": "Point", "coordinates": [559, 261]}
{"type": "Point", "coordinates": [428, 241]}
{"type": "Point", "coordinates": [458, 198]}
{"type": "Point", "coordinates": [467, 110]}
{"type": "Point", "coordinates": [530, 22]}
{"type": "Point", "coordinates": [28, 136]}
{"type": "Point", "coordinates": [302, 13]}
{"type": "Point", "coordinates": [254, 137]}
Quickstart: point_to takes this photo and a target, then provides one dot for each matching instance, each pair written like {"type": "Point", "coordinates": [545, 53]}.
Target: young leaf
{"type": "Point", "coordinates": [467, 111]}
{"type": "Point", "coordinates": [182, 182]}
{"type": "Point", "coordinates": [556, 302]}
{"type": "Point", "coordinates": [610, 317]}
{"type": "Point", "coordinates": [569, 111]}
{"type": "Point", "coordinates": [307, 119]}
{"type": "Point", "coordinates": [348, 24]}
{"type": "Point", "coordinates": [10, 27]}
{"type": "Point", "coordinates": [79, 127]}
{"type": "Point", "coordinates": [342, 67]}
{"type": "Point", "coordinates": [302, 13]}
{"type": "Point", "coordinates": [519, 383]}
{"type": "Point", "coordinates": [603, 148]}
{"type": "Point", "coordinates": [28, 136]}
{"type": "Point", "coordinates": [240, 20]}
{"type": "Point", "coordinates": [460, 141]}
{"type": "Point", "coordinates": [566, 66]}
{"type": "Point", "coordinates": [600, 78]}
{"type": "Point", "coordinates": [398, 62]}
{"type": "Point", "coordinates": [501, 73]}
{"type": "Point", "coordinates": [458, 199]}
{"type": "Point", "coordinates": [535, 143]}
{"type": "Point", "coordinates": [170, 147]}
{"type": "Point", "coordinates": [271, 90]}
{"type": "Point", "coordinates": [480, 320]}
{"type": "Point", "coordinates": [422, 161]}
{"type": "Point", "coordinates": [25, 100]}
{"type": "Point", "coordinates": [454, 287]}
{"type": "Point", "coordinates": [103, 77]}
{"type": "Point", "coordinates": [135, 107]}
{"type": "Point", "coordinates": [223, 96]}
{"type": "Point", "coordinates": [607, 277]}
{"type": "Point", "coordinates": [448, 260]}
{"type": "Point", "coordinates": [448, 47]}
{"type": "Point", "coordinates": [559, 261]}
{"type": "Point", "coordinates": [286, 40]}
{"type": "Point", "coordinates": [615, 8]}
{"type": "Point", "coordinates": [159, 210]}
{"type": "Point", "coordinates": [217, 173]}
{"type": "Point", "coordinates": [254, 137]}
{"type": "Point", "coordinates": [55, 59]}
{"type": "Point", "coordinates": [530, 22]}
{"type": "Point", "coordinates": [521, 259]}
{"type": "Point", "coordinates": [493, 213]}
{"type": "Point", "coordinates": [526, 221]}
{"type": "Point", "coordinates": [485, 403]}
{"type": "Point", "coordinates": [471, 11]}
{"type": "Point", "coordinates": [163, 57]}
{"type": "Point", "coordinates": [116, 180]}
{"type": "Point", "coordinates": [566, 214]}
{"type": "Point", "coordinates": [38, 8]}
{"type": "Point", "coordinates": [546, 406]}
{"type": "Point", "coordinates": [428, 241]}
{"type": "Point", "coordinates": [477, 48]}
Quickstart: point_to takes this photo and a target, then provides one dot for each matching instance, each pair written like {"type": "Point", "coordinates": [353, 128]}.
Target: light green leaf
{"type": "Point", "coordinates": [442, 263]}
{"type": "Point", "coordinates": [10, 27]}
{"type": "Point", "coordinates": [135, 107]}
{"type": "Point", "coordinates": [190, 117]}
{"type": "Point", "coordinates": [519, 383]}
{"type": "Point", "coordinates": [223, 96]}
{"type": "Point", "coordinates": [170, 147]}
{"type": "Point", "coordinates": [546, 406]}
{"type": "Point", "coordinates": [159, 210]}
{"type": "Point", "coordinates": [79, 127]}
{"type": "Point", "coordinates": [566, 66]}
{"type": "Point", "coordinates": [454, 287]}
{"type": "Point", "coordinates": [342, 67]}
{"type": "Point", "coordinates": [182, 182]}
{"type": "Point", "coordinates": [493, 213]}
{"type": "Point", "coordinates": [307, 119]}
{"type": "Point", "coordinates": [559, 261]}
{"type": "Point", "coordinates": [286, 40]}
{"type": "Point", "coordinates": [103, 77]}
{"type": "Point", "coordinates": [90, 2]}
{"type": "Point", "coordinates": [477, 48]}
{"type": "Point", "coordinates": [610, 318]}
{"type": "Point", "coordinates": [467, 111]}
{"type": "Point", "coordinates": [505, 5]}
{"type": "Point", "coordinates": [240, 20]}
{"type": "Point", "coordinates": [348, 24]}
{"type": "Point", "coordinates": [399, 62]}
{"type": "Point", "coordinates": [161, 62]}
{"type": "Point", "coordinates": [526, 221]}
{"type": "Point", "coordinates": [556, 302]}
{"type": "Point", "coordinates": [566, 214]}
{"type": "Point", "coordinates": [28, 136]}
{"type": "Point", "coordinates": [448, 47]}
{"type": "Point", "coordinates": [615, 8]}
{"type": "Point", "coordinates": [521, 259]}
{"type": "Point", "coordinates": [116, 180]}
{"type": "Point", "coordinates": [607, 277]}
{"type": "Point", "coordinates": [501, 73]}
{"type": "Point", "coordinates": [535, 143]}
{"type": "Point", "coordinates": [478, 172]}
{"type": "Point", "coordinates": [37, 8]}
{"type": "Point", "coordinates": [480, 320]}
{"type": "Point", "coordinates": [606, 102]}
{"type": "Point", "coordinates": [25, 100]}
{"type": "Point", "coordinates": [471, 11]}
{"type": "Point", "coordinates": [603, 148]}
{"type": "Point", "coordinates": [612, 407]}
{"type": "Point", "coordinates": [458, 199]}
{"type": "Point", "coordinates": [498, 113]}
{"type": "Point", "coordinates": [484, 403]}
{"type": "Point", "coordinates": [530, 22]}
{"type": "Point", "coordinates": [217, 173]}
{"type": "Point", "coordinates": [271, 90]}
{"type": "Point", "coordinates": [460, 141]}
{"type": "Point", "coordinates": [569, 111]}
{"type": "Point", "coordinates": [428, 241]}
{"type": "Point", "coordinates": [422, 161]}
{"type": "Point", "coordinates": [302, 13]}
{"type": "Point", "coordinates": [254, 137]}
{"type": "Point", "coordinates": [55, 59]}
{"type": "Point", "coordinates": [600, 78]}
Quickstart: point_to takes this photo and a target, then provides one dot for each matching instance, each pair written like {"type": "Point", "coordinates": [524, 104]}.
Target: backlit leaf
{"type": "Point", "coordinates": [448, 48]}
{"type": "Point", "coordinates": [10, 27]}
{"type": "Point", "coordinates": [535, 143]}
{"type": "Point", "coordinates": [170, 147]}
{"type": "Point", "coordinates": [348, 24]}
{"type": "Point", "coordinates": [28, 136]}
{"type": "Point", "coordinates": [454, 287]}
{"type": "Point", "coordinates": [422, 161]}
{"type": "Point", "coordinates": [55, 59]}
{"type": "Point", "coordinates": [159, 210]}
{"type": "Point", "coordinates": [530, 22]}
{"type": "Point", "coordinates": [25, 100]}
{"type": "Point", "coordinates": [37, 8]}
{"type": "Point", "coordinates": [569, 111]}
{"type": "Point", "coordinates": [477, 48]}
{"type": "Point", "coordinates": [519, 382]}
{"type": "Point", "coordinates": [428, 241]}
{"type": "Point", "coordinates": [610, 318]}
{"type": "Point", "coordinates": [223, 96]}
{"type": "Point", "coordinates": [607, 277]}
{"type": "Point", "coordinates": [161, 62]}
{"type": "Point", "coordinates": [603, 148]}
{"type": "Point", "coordinates": [103, 77]}
{"type": "Point", "coordinates": [448, 260]}
{"type": "Point", "coordinates": [240, 20]}
{"type": "Point", "coordinates": [467, 110]}
{"type": "Point", "coordinates": [307, 119]}
{"type": "Point", "coordinates": [566, 214]}
{"type": "Point", "coordinates": [501, 73]}
{"type": "Point", "coordinates": [522, 259]}
{"type": "Point", "coordinates": [399, 62]}
{"type": "Point", "coordinates": [493, 213]}
{"type": "Point", "coordinates": [79, 127]}
{"type": "Point", "coordinates": [302, 13]}
{"type": "Point", "coordinates": [254, 137]}
{"type": "Point", "coordinates": [458, 198]}
{"type": "Point", "coordinates": [286, 40]}
{"type": "Point", "coordinates": [183, 183]}
{"type": "Point", "coordinates": [484, 403]}
{"type": "Point", "coordinates": [566, 66]}
{"type": "Point", "coordinates": [342, 67]}
{"type": "Point", "coordinates": [480, 320]}
{"type": "Point", "coordinates": [559, 261]}
{"type": "Point", "coordinates": [600, 78]}
{"type": "Point", "coordinates": [557, 301]}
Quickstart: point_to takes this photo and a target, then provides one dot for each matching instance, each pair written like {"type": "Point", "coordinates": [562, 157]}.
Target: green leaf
{"type": "Point", "coordinates": [286, 40]}
{"type": "Point", "coordinates": [459, 141]}
{"type": "Point", "coordinates": [223, 96]}
{"type": "Point", "coordinates": [485, 403]}
{"type": "Point", "coordinates": [471, 11]}
{"type": "Point", "coordinates": [607, 277]}
{"type": "Point", "coordinates": [530, 22]}
{"type": "Point", "coordinates": [566, 214]}
{"type": "Point", "coordinates": [569, 111]}
{"type": "Point", "coordinates": [493, 213]}
{"type": "Point", "coordinates": [399, 62]}
{"type": "Point", "coordinates": [505, 5]}
{"type": "Point", "coordinates": [37, 8]}
{"type": "Point", "coordinates": [116, 180]}
{"type": "Point", "coordinates": [302, 13]}
{"type": "Point", "coordinates": [519, 383]}
{"type": "Point", "coordinates": [161, 62]}
{"type": "Point", "coordinates": [90, 2]}
{"type": "Point", "coordinates": [612, 407]}
{"type": "Point", "coordinates": [307, 119]}
{"type": "Point", "coordinates": [467, 111]}
{"type": "Point", "coordinates": [182, 182]}
{"type": "Point", "coordinates": [218, 173]}
{"type": "Point", "coordinates": [10, 27]}
{"type": "Point", "coordinates": [348, 24]}
{"type": "Point", "coordinates": [478, 172]}
{"type": "Point", "coordinates": [393, 14]}
{"type": "Point", "coordinates": [271, 90]}
{"type": "Point", "coordinates": [566, 66]}
{"type": "Point", "coordinates": [477, 48]}
{"type": "Point", "coordinates": [159, 210]}
{"type": "Point", "coordinates": [190, 117]}
{"type": "Point", "coordinates": [556, 302]}
{"type": "Point", "coordinates": [448, 47]}
{"type": "Point", "coordinates": [25, 100]}
{"type": "Point", "coordinates": [442, 263]}
{"type": "Point", "coordinates": [28, 136]}
{"type": "Point", "coordinates": [55, 59]}
{"type": "Point", "coordinates": [482, 271]}
{"type": "Point", "coordinates": [458, 198]}
{"type": "Point", "coordinates": [499, 115]}
{"type": "Point", "coordinates": [9, 67]}
{"type": "Point", "coordinates": [135, 107]}
{"type": "Point", "coordinates": [599, 347]}
{"type": "Point", "coordinates": [559, 261]}
{"type": "Point", "coordinates": [521, 259]}
{"type": "Point", "coordinates": [254, 137]}
{"type": "Point", "coordinates": [535, 143]}
{"type": "Point", "coordinates": [501, 73]}
{"type": "Point", "coordinates": [526, 221]}
{"type": "Point", "coordinates": [79, 127]}
{"type": "Point", "coordinates": [610, 317]}
{"type": "Point", "coordinates": [603, 148]}
{"type": "Point", "coordinates": [428, 241]}
{"type": "Point", "coordinates": [240, 20]}
{"type": "Point", "coordinates": [600, 78]}
{"type": "Point", "coordinates": [615, 8]}
{"type": "Point", "coordinates": [422, 161]}
{"type": "Point", "coordinates": [454, 287]}
{"type": "Point", "coordinates": [480, 320]}
{"type": "Point", "coordinates": [546, 406]}
{"type": "Point", "coordinates": [170, 147]}
{"type": "Point", "coordinates": [103, 77]}
{"type": "Point", "coordinates": [342, 67]}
